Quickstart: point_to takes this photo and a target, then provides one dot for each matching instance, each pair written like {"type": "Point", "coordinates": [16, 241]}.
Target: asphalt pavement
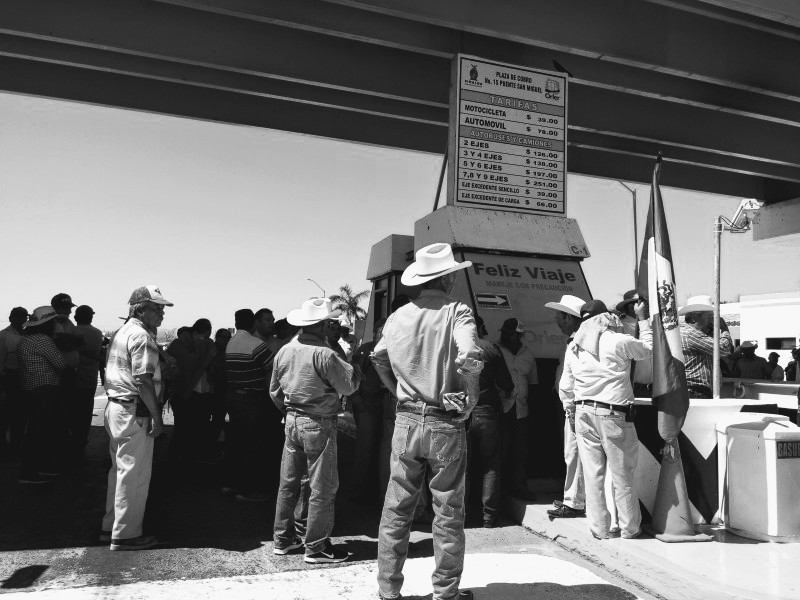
{"type": "Point", "coordinates": [212, 546]}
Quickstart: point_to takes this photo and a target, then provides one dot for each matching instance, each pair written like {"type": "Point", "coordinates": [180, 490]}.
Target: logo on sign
{"type": "Point", "coordinates": [788, 449]}
{"type": "Point", "coordinates": [552, 89]}
{"type": "Point", "coordinates": [493, 301]}
{"type": "Point", "coordinates": [473, 73]}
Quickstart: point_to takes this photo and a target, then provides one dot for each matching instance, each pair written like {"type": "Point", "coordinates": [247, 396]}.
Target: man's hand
{"type": "Point", "coordinates": [156, 427]}
{"type": "Point", "coordinates": [571, 419]}
{"type": "Point", "coordinates": [641, 310]}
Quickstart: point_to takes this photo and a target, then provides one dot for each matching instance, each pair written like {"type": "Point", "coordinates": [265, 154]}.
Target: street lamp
{"type": "Point", "coordinates": [635, 235]}
{"type": "Point", "coordinates": [318, 285]}
{"type": "Point", "coordinates": [740, 223]}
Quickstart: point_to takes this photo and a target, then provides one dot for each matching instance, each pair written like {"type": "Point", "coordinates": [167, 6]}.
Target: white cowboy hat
{"type": "Point", "coordinates": [697, 304]}
{"type": "Point", "coordinates": [432, 261]}
{"type": "Point", "coordinates": [312, 311]}
{"type": "Point", "coordinates": [568, 304]}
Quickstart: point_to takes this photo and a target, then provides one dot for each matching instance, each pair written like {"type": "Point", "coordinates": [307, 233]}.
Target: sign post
{"type": "Point", "coordinates": [508, 135]}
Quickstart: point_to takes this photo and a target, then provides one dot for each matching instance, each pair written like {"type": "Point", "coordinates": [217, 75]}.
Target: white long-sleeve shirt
{"type": "Point", "coordinates": [606, 377]}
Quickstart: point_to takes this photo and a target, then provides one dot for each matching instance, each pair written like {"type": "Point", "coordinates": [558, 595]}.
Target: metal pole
{"type": "Point", "coordinates": [635, 234]}
{"type": "Point", "coordinates": [717, 373]}
{"type": "Point", "coordinates": [441, 177]}
{"type": "Point", "coordinates": [318, 285]}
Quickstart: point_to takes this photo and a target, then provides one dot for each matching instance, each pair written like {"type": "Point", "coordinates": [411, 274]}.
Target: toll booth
{"type": "Point", "coordinates": [519, 263]}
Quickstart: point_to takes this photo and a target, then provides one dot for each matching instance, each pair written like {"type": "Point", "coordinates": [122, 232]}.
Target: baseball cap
{"type": "Point", "coordinates": [62, 300]}
{"type": "Point", "coordinates": [593, 308]}
{"type": "Point", "coordinates": [513, 324]}
{"type": "Point", "coordinates": [148, 293]}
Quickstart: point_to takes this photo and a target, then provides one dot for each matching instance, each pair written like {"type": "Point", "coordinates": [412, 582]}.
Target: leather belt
{"type": "Point", "coordinates": [620, 408]}
{"type": "Point", "coordinates": [422, 408]}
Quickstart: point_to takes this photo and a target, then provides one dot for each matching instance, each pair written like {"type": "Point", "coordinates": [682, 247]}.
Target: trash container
{"type": "Point", "coordinates": [762, 478]}
{"type": "Point", "coordinates": [722, 453]}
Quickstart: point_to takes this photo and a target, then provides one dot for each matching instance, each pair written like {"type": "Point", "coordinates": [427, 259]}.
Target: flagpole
{"type": "Point", "coordinates": [716, 371]}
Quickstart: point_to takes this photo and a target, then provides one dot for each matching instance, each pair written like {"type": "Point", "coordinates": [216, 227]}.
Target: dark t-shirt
{"type": "Point", "coordinates": [494, 375]}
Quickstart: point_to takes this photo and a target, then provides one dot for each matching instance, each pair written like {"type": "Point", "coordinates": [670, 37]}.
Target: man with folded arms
{"type": "Point", "coordinates": [133, 419]}
{"type": "Point", "coordinates": [429, 355]}
{"type": "Point", "coordinates": [307, 379]}
{"type": "Point", "coordinates": [596, 377]}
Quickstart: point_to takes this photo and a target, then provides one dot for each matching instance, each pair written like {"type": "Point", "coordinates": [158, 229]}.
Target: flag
{"type": "Point", "coordinates": [656, 283]}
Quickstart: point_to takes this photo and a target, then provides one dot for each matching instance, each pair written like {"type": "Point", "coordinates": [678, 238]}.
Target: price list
{"type": "Point", "coordinates": [508, 134]}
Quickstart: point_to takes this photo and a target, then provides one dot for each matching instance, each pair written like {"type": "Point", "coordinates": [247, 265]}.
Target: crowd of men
{"type": "Point", "coordinates": [428, 391]}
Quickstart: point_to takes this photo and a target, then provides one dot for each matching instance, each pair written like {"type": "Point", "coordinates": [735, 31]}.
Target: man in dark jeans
{"type": "Point", "coordinates": [368, 404]}
{"type": "Point", "coordinates": [483, 439]}
{"type": "Point", "coordinates": [248, 360]}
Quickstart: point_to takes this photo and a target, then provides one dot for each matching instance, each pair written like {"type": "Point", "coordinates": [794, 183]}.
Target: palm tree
{"type": "Point", "coordinates": [348, 303]}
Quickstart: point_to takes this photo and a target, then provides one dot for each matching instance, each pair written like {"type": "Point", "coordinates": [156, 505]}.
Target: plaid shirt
{"type": "Point", "coordinates": [698, 354]}
{"type": "Point", "coordinates": [40, 362]}
{"type": "Point", "coordinates": [132, 351]}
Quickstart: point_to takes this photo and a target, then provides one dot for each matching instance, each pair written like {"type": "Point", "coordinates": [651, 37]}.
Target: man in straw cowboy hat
{"type": "Point", "coordinates": [307, 379]}
{"type": "Point", "coordinates": [133, 418]}
{"type": "Point", "coordinates": [568, 320]}
{"type": "Point", "coordinates": [642, 369]}
{"type": "Point", "coordinates": [697, 340]}
{"type": "Point", "coordinates": [429, 357]}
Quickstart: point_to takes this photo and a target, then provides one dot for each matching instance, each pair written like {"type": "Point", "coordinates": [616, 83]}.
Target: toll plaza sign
{"type": "Point", "coordinates": [508, 137]}
{"type": "Point", "coordinates": [500, 287]}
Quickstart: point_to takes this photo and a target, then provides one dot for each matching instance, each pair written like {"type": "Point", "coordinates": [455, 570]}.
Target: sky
{"type": "Point", "coordinates": [96, 201]}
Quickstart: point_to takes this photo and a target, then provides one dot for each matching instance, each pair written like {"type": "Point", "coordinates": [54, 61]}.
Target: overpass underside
{"type": "Point", "coordinates": [716, 90]}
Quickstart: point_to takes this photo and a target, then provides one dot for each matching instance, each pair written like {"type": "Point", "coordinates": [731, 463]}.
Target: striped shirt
{"type": "Point", "coordinates": [132, 352]}
{"type": "Point", "coordinates": [40, 362]}
{"type": "Point", "coordinates": [698, 354]}
{"type": "Point", "coordinates": [248, 362]}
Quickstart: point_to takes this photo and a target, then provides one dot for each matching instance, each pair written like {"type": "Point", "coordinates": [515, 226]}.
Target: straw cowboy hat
{"type": "Point", "coordinates": [697, 304]}
{"type": "Point", "coordinates": [41, 315]}
{"type": "Point", "coordinates": [312, 311]}
{"type": "Point", "coordinates": [568, 304]}
{"type": "Point", "coordinates": [432, 261]}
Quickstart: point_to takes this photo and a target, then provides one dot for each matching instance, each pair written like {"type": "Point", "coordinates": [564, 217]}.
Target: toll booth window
{"type": "Point", "coordinates": [786, 343]}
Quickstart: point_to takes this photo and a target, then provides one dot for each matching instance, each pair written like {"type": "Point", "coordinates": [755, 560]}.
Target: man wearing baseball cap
{"type": "Point", "coordinates": [308, 377]}
{"type": "Point", "coordinates": [429, 358]}
{"type": "Point", "coordinates": [568, 320]}
{"type": "Point", "coordinates": [62, 303]}
{"type": "Point", "coordinates": [133, 418]}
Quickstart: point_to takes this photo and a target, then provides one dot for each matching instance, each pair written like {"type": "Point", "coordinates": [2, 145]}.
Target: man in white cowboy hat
{"type": "Point", "coordinates": [573, 504]}
{"type": "Point", "coordinates": [133, 418]}
{"type": "Point", "coordinates": [307, 379]}
{"type": "Point", "coordinates": [697, 341]}
{"type": "Point", "coordinates": [429, 356]}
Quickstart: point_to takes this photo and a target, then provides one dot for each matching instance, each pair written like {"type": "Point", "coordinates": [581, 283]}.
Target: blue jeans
{"type": "Point", "coordinates": [310, 447]}
{"type": "Point", "coordinates": [483, 442]}
{"type": "Point", "coordinates": [419, 443]}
